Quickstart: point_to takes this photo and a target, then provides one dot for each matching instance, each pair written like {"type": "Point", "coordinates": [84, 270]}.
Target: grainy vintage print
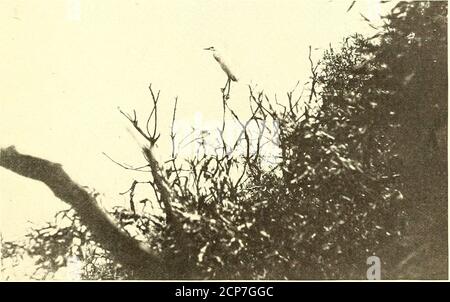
{"type": "Point", "coordinates": [223, 140]}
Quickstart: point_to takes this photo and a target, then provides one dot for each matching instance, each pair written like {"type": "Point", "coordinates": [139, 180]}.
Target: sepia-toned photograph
{"type": "Point", "coordinates": [239, 140]}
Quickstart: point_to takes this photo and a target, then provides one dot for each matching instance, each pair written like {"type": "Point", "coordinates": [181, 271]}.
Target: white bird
{"type": "Point", "coordinates": [225, 67]}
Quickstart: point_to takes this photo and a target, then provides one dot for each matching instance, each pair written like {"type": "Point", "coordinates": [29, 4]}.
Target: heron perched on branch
{"type": "Point", "coordinates": [225, 67]}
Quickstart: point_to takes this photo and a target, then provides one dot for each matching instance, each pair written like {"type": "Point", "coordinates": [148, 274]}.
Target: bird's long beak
{"type": "Point", "coordinates": [208, 48]}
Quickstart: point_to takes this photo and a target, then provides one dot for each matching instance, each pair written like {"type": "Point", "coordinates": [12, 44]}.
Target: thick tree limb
{"type": "Point", "coordinates": [161, 183]}
{"type": "Point", "coordinates": [124, 249]}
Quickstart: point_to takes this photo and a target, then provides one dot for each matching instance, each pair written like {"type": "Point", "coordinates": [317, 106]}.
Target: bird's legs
{"type": "Point", "coordinates": [227, 85]}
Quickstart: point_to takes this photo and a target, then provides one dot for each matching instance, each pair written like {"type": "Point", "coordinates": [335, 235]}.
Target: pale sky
{"type": "Point", "coordinates": [66, 65]}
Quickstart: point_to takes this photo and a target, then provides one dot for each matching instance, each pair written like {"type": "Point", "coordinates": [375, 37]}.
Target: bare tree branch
{"type": "Point", "coordinates": [126, 250]}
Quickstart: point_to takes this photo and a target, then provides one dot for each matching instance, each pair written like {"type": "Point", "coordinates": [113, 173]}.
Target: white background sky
{"type": "Point", "coordinates": [66, 65]}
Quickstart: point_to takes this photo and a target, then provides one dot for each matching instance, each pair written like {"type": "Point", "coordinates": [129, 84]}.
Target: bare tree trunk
{"type": "Point", "coordinates": [124, 249]}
